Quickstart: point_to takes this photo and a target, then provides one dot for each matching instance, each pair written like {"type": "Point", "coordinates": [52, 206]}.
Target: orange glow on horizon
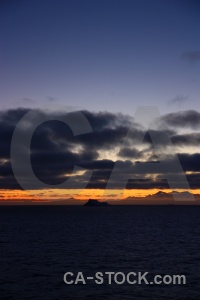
{"type": "Point", "coordinates": [61, 194]}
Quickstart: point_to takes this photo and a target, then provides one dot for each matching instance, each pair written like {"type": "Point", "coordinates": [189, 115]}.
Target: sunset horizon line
{"type": "Point", "coordinates": [153, 196]}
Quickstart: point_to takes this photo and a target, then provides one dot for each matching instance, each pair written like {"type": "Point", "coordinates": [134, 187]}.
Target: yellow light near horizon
{"type": "Point", "coordinates": [58, 194]}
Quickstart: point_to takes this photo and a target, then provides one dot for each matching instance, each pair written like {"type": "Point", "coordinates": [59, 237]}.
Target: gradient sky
{"type": "Point", "coordinates": [100, 55]}
{"type": "Point", "coordinates": [103, 57]}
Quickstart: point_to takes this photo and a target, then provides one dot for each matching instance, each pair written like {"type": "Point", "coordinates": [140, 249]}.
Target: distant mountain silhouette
{"type": "Point", "coordinates": [92, 202]}
{"type": "Point", "coordinates": [160, 198]}
{"type": "Point", "coordinates": [160, 194]}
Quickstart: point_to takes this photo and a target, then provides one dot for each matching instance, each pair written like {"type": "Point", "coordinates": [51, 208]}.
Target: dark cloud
{"type": "Point", "coordinates": [129, 153]}
{"type": "Point", "coordinates": [12, 116]}
{"type": "Point", "coordinates": [147, 184]}
{"type": "Point", "coordinates": [194, 180]}
{"type": "Point", "coordinates": [55, 150]}
{"type": "Point", "coordinates": [130, 173]}
{"type": "Point", "coordinates": [190, 162]}
{"type": "Point", "coordinates": [191, 56]}
{"type": "Point", "coordinates": [104, 164]}
{"type": "Point", "coordinates": [183, 119]}
{"type": "Point", "coordinates": [102, 120]}
{"type": "Point", "coordinates": [190, 139]}
{"type": "Point", "coordinates": [8, 121]}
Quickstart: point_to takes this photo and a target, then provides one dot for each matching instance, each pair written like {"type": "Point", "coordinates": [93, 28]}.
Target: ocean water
{"type": "Point", "coordinates": [39, 244]}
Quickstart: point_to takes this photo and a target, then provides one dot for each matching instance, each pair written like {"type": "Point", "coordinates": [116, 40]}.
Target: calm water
{"type": "Point", "coordinates": [39, 244]}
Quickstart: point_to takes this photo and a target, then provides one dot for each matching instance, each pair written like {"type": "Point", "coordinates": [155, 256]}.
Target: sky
{"type": "Point", "coordinates": [104, 58]}
{"type": "Point", "coordinates": [100, 55]}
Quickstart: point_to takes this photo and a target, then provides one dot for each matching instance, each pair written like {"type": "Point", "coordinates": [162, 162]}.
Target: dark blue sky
{"type": "Point", "coordinates": [100, 55]}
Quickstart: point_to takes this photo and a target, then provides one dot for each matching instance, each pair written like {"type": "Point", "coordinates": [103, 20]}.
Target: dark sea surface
{"type": "Point", "coordinates": [38, 244]}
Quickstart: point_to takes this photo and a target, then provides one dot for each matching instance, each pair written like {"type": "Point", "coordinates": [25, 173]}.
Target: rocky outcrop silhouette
{"type": "Point", "coordinates": [92, 202]}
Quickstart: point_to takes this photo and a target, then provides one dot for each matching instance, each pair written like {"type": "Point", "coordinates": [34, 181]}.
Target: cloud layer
{"type": "Point", "coordinates": [55, 150]}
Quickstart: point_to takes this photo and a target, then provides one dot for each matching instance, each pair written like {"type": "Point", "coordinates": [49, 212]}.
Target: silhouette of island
{"type": "Point", "coordinates": [92, 202]}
